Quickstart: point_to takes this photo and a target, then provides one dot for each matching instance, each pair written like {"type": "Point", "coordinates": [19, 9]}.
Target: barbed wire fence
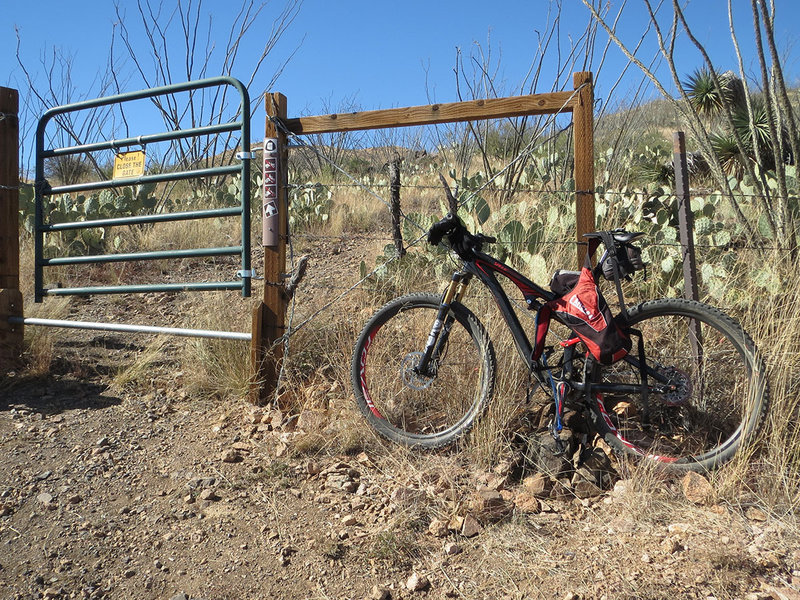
{"type": "Point", "coordinates": [338, 292]}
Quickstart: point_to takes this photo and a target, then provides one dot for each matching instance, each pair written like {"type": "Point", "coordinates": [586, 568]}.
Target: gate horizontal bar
{"type": "Point", "coordinates": [144, 289]}
{"type": "Point", "coordinates": [144, 139]}
{"type": "Point", "coordinates": [121, 327]}
{"type": "Point", "coordinates": [159, 218]}
{"type": "Point", "coordinates": [112, 183]}
{"type": "Point", "coordinates": [132, 256]}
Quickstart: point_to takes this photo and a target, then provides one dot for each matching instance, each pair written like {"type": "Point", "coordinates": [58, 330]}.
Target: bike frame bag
{"type": "Point", "coordinates": [583, 309]}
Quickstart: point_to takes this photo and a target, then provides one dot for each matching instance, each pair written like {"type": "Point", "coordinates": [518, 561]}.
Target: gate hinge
{"type": "Point", "coordinates": [251, 274]}
{"type": "Point", "coordinates": [246, 155]}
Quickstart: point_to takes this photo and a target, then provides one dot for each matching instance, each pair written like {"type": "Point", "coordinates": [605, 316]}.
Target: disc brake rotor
{"type": "Point", "coordinates": [411, 377]}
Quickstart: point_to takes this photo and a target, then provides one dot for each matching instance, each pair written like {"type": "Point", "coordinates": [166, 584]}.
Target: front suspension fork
{"type": "Point", "coordinates": [440, 331]}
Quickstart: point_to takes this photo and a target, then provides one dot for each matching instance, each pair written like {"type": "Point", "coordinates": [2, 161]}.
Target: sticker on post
{"type": "Point", "coordinates": [129, 164]}
{"type": "Point", "coordinates": [269, 190]}
{"type": "Point", "coordinates": [270, 209]}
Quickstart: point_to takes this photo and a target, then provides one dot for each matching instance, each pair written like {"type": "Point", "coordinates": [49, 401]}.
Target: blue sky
{"type": "Point", "coordinates": [374, 54]}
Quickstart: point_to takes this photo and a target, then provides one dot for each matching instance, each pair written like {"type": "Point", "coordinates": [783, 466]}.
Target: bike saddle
{"type": "Point", "coordinates": [619, 235]}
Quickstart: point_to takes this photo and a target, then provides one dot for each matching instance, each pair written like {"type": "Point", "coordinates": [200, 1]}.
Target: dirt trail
{"type": "Point", "coordinates": [148, 493]}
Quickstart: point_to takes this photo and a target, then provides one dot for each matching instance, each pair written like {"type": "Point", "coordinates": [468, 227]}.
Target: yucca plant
{"type": "Point", "coordinates": [706, 98]}
{"type": "Point", "coordinates": [709, 101]}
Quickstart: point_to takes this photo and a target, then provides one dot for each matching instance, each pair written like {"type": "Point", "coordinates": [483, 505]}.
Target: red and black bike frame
{"type": "Point", "coordinates": [486, 268]}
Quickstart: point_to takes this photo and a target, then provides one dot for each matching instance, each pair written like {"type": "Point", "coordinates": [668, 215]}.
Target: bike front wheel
{"type": "Point", "coordinates": [405, 405]}
{"type": "Point", "coordinates": [707, 390]}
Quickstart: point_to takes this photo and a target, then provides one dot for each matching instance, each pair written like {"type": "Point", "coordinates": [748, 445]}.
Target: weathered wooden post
{"type": "Point", "coordinates": [583, 126]}
{"type": "Point", "coordinates": [269, 316]}
{"type": "Point", "coordinates": [685, 216]}
{"type": "Point", "coordinates": [686, 232]}
{"type": "Point", "coordinates": [394, 191]}
{"type": "Point", "coordinates": [10, 296]}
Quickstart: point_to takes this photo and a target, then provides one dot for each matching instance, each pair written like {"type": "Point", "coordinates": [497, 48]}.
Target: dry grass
{"type": "Point", "coordinates": [316, 372]}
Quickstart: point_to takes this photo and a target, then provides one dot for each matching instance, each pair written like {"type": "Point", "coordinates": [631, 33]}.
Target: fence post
{"type": "Point", "coordinates": [10, 296]}
{"type": "Point", "coordinates": [686, 233]}
{"type": "Point", "coordinates": [269, 316]}
{"type": "Point", "coordinates": [394, 189]}
{"type": "Point", "coordinates": [583, 125]}
{"type": "Point", "coordinates": [685, 216]}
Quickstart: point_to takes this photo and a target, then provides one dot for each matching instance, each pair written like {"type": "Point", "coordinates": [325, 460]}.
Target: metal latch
{"type": "Point", "coordinates": [246, 155]}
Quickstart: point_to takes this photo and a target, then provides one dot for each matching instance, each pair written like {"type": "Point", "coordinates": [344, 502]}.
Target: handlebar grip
{"type": "Point", "coordinates": [440, 229]}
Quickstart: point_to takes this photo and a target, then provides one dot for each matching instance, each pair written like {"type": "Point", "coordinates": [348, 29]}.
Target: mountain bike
{"type": "Point", "coordinates": [689, 391]}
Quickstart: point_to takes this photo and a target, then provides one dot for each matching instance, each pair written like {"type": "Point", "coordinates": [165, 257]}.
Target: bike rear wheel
{"type": "Point", "coordinates": [708, 392]}
{"type": "Point", "coordinates": [431, 409]}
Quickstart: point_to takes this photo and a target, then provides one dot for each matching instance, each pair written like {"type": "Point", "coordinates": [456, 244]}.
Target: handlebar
{"type": "Point", "coordinates": [463, 243]}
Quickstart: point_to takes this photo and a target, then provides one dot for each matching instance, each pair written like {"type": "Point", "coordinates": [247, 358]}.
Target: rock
{"type": "Point", "coordinates": [350, 487]}
{"type": "Point", "coordinates": [281, 449]}
{"type": "Point", "coordinates": [527, 502]}
{"type": "Point", "coordinates": [671, 545]}
{"type": "Point", "coordinates": [180, 596]}
{"type": "Point", "coordinates": [380, 593]}
{"type": "Point", "coordinates": [273, 418]}
{"type": "Point", "coordinates": [231, 455]}
{"type": "Point", "coordinates": [594, 466]}
{"type": "Point", "coordinates": [209, 495]}
{"type": "Point", "coordinates": [697, 489]}
{"type": "Point", "coordinates": [489, 505]}
{"type": "Point", "coordinates": [451, 549]}
{"type": "Point", "coordinates": [417, 583]}
{"type": "Point", "coordinates": [679, 528]}
{"type": "Point", "coordinates": [45, 498]}
{"type": "Point", "coordinates": [471, 527]}
{"type": "Point", "coordinates": [455, 523]}
{"type": "Point", "coordinates": [755, 514]}
{"type": "Point", "coordinates": [438, 528]}
{"type": "Point", "coordinates": [544, 455]}
{"type": "Point", "coordinates": [538, 484]}
{"type": "Point", "coordinates": [406, 496]}
{"type": "Point", "coordinates": [498, 482]}
{"type": "Point", "coordinates": [349, 520]}
{"type": "Point", "coordinates": [585, 489]}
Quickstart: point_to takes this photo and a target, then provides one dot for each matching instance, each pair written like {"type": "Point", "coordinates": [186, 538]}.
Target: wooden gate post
{"type": "Point", "coordinates": [269, 317]}
{"type": "Point", "coordinates": [10, 296]}
{"type": "Point", "coordinates": [583, 125]}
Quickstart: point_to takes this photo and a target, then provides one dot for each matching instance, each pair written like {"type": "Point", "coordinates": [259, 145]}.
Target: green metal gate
{"type": "Point", "coordinates": [43, 190]}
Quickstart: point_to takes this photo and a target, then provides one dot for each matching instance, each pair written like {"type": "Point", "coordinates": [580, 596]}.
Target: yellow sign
{"type": "Point", "coordinates": [129, 164]}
